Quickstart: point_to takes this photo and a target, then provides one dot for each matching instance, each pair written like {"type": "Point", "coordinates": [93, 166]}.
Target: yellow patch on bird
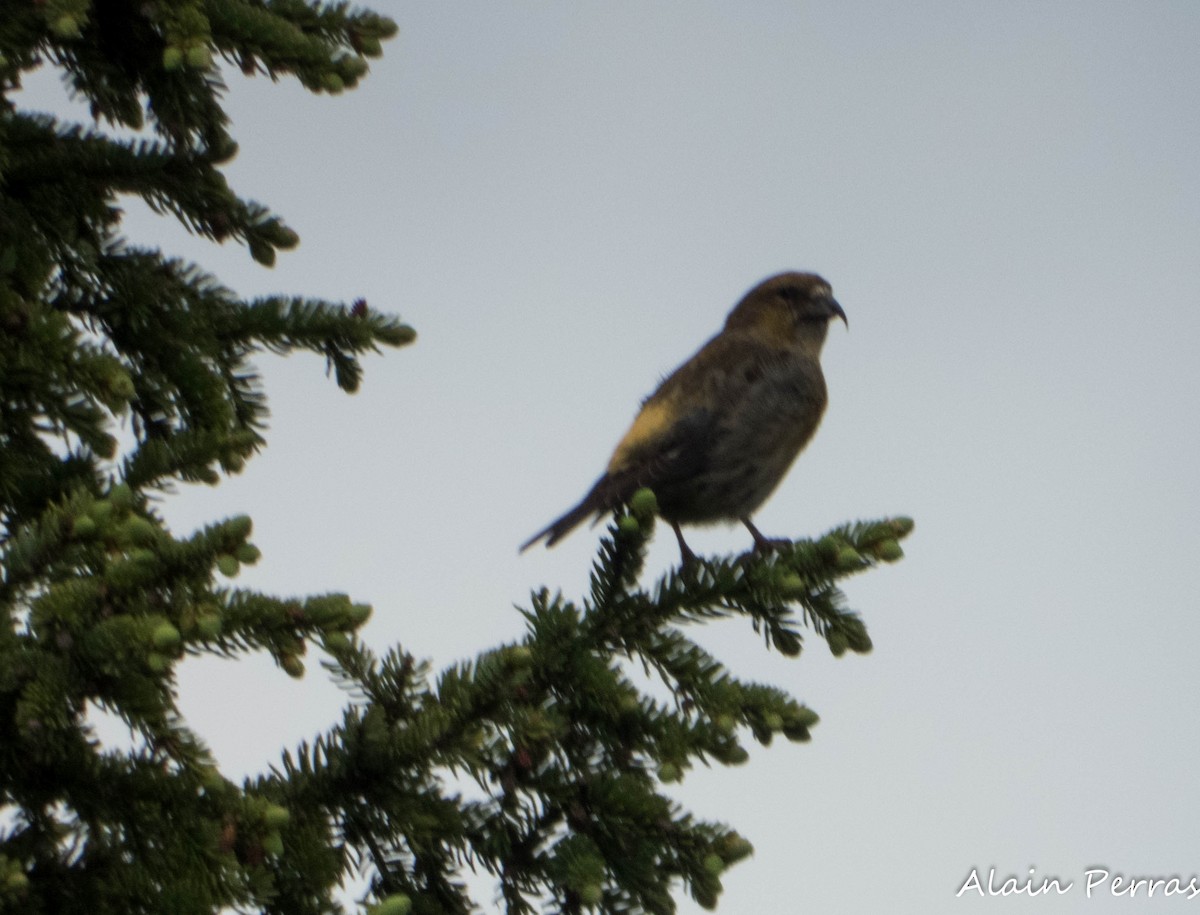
{"type": "Point", "coordinates": [655, 418]}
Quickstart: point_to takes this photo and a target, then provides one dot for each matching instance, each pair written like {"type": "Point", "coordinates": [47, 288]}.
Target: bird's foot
{"type": "Point", "coordinates": [764, 544]}
{"type": "Point", "coordinates": [688, 559]}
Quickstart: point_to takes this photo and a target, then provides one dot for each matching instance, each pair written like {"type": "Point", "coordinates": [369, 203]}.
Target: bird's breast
{"type": "Point", "coordinates": [759, 428]}
{"type": "Point", "coordinates": [784, 403]}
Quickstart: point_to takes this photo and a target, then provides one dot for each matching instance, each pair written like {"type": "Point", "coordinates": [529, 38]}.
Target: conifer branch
{"type": "Point", "coordinates": [545, 763]}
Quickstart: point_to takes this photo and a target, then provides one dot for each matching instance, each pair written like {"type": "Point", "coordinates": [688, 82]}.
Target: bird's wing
{"type": "Point", "coordinates": [671, 437]}
{"type": "Point", "coordinates": [667, 441]}
{"type": "Point", "coordinates": [672, 452]}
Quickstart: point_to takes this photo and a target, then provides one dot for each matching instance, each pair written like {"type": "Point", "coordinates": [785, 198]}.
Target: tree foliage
{"type": "Point", "coordinates": [102, 601]}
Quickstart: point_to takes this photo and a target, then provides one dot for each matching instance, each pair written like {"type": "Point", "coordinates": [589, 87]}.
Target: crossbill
{"type": "Point", "coordinates": [718, 435]}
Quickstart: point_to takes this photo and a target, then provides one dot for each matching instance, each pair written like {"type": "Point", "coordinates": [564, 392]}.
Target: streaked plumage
{"type": "Point", "coordinates": [722, 430]}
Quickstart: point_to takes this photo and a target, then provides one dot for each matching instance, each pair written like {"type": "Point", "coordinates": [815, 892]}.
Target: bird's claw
{"type": "Point", "coordinates": [764, 544]}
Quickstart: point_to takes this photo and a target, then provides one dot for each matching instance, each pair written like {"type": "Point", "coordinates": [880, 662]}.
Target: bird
{"type": "Point", "coordinates": [719, 433]}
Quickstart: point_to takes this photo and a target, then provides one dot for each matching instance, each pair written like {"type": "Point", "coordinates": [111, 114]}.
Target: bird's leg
{"type": "Point", "coordinates": [685, 551]}
{"type": "Point", "coordinates": [762, 543]}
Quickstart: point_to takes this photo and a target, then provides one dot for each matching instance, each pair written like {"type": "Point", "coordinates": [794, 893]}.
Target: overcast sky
{"type": "Point", "coordinates": [566, 199]}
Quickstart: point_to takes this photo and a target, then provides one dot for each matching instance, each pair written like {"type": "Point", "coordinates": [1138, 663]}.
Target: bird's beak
{"type": "Point", "coordinates": [835, 311]}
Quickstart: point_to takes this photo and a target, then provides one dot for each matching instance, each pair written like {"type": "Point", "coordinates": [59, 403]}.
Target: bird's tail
{"type": "Point", "coordinates": [564, 525]}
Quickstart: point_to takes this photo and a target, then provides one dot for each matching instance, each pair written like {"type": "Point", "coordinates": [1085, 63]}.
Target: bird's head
{"type": "Point", "coordinates": [790, 308]}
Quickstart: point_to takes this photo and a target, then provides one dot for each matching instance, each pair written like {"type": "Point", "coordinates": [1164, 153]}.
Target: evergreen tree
{"type": "Point", "coordinates": [102, 601]}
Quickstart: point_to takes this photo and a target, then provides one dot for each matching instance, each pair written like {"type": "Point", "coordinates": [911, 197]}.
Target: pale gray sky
{"type": "Point", "coordinates": [566, 199]}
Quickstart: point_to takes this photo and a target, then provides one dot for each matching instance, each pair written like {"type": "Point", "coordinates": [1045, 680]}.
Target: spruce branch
{"type": "Point", "coordinates": [569, 752]}
{"type": "Point", "coordinates": [545, 763]}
